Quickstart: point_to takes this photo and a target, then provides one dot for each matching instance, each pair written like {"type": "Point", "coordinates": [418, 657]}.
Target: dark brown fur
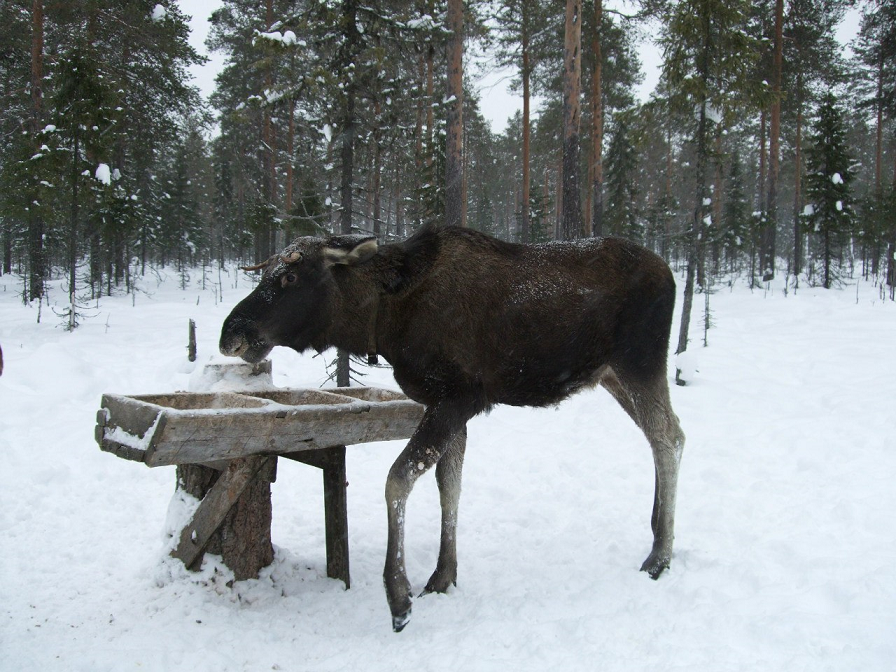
{"type": "Point", "coordinates": [467, 322]}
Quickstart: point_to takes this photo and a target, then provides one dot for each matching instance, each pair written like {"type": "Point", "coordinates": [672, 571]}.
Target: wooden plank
{"type": "Point", "coordinates": [332, 463]}
{"type": "Point", "coordinates": [336, 516]}
{"type": "Point", "coordinates": [201, 438]}
{"type": "Point", "coordinates": [214, 507]}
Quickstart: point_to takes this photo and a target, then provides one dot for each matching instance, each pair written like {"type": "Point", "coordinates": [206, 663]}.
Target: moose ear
{"type": "Point", "coordinates": [349, 250]}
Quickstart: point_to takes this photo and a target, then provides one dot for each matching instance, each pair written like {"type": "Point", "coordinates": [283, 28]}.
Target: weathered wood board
{"type": "Point", "coordinates": [203, 428]}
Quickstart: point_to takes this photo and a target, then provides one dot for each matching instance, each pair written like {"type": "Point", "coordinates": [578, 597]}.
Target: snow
{"type": "Point", "coordinates": [784, 539]}
{"type": "Point", "coordinates": [809, 210]}
{"type": "Point", "coordinates": [125, 438]}
{"type": "Point", "coordinates": [839, 206]}
{"type": "Point", "coordinates": [836, 178]}
{"type": "Point", "coordinates": [103, 174]}
{"type": "Point", "coordinates": [287, 38]}
{"type": "Point", "coordinates": [424, 22]}
{"type": "Point", "coordinates": [687, 363]}
{"type": "Point", "coordinates": [159, 13]}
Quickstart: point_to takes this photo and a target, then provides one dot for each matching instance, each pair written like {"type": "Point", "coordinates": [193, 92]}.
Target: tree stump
{"type": "Point", "coordinates": [243, 538]}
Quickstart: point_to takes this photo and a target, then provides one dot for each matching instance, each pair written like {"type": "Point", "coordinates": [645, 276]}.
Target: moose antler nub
{"type": "Point", "coordinates": [256, 267]}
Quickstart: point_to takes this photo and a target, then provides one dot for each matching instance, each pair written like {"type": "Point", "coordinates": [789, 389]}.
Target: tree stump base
{"type": "Point", "coordinates": [234, 517]}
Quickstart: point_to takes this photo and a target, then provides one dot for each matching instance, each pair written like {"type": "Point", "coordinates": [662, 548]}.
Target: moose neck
{"type": "Point", "coordinates": [357, 305]}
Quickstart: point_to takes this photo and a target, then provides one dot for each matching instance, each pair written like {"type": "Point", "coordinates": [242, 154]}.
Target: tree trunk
{"type": "Point", "coordinates": [771, 222]}
{"type": "Point", "coordinates": [756, 237]}
{"type": "Point", "coordinates": [828, 253]}
{"type": "Point", "coordinates": [73, 237]}
{"type": "Point", "coordinates": [377, 169]}
{"type": "Point", "coordinates": [7, 250]}
{"type": "Point", "coordinates": [717, 202]}
{"type": "Point", "coordinates": [891, 252]}
{"type": "Point", "coordinates": [430, 102]}
{"type": "Point", "coordinates": [454, 210]}
{"type": "Point", "coordinates": [399, 209]}
{"type": "Point", "coordinates": [572, 213]}
{"type": "Point", "coordinates": [343, 365]}
{"type": "Point", "coordinates": [879, 136]}
{"type": "Point", "coordinates": [35, 221]}
{"type": "Point", "coordinates": [270, 179]}
{"type": "Point", "coordinates": [597, 127]}
{"type": "Point", "coordinates": [290, 149]}
{"type": "Point", "coordinates": [525, 224]}
{"type": "Point", "coordinates": [244, 538]}
{"type": "Point", "coordinates": [798, 181]}
{"type": "Point", "coordinates": [695, 234]}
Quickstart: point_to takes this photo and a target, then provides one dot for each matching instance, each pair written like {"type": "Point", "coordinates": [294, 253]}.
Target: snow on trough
{"type": "Point", "coordinates": [784, 548]}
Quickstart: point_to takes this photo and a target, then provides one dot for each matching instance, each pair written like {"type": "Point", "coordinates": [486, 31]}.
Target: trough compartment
{"type": "Point", "coordinates": [206, 427]}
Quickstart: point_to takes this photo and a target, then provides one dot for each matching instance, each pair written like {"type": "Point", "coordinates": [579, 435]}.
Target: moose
{"type": "Point", "coordinates": [468, 322]}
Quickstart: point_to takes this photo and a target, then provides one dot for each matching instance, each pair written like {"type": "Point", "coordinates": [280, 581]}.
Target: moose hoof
{"type": "Point", "coordinates": [400, 620]}
{"type": "Point", "coordinates": [439, 583]}
{"type": "Point", "coordinates": [655, 564]}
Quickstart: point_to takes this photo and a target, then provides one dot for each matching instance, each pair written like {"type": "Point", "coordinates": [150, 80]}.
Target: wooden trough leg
{"type": "Point", "coordinates": [234, 516]}
{"type": "Point", "coordinates": [332, 462]}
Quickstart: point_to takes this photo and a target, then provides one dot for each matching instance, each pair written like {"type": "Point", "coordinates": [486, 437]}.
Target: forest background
{"type": "Point", "coordinates": [767, 146]}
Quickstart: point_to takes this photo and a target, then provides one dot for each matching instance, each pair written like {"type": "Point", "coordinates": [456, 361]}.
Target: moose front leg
{"type": "Point", "coordinates": [431, 440]}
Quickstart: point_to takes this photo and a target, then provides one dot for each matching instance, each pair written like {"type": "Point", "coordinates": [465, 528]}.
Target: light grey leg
{"type": "Point", "coordinates": [439, 426]}
{"type": "Point", "coordinates": [650, 408]}
{"type": "Point", "coordinates": [448, 476]}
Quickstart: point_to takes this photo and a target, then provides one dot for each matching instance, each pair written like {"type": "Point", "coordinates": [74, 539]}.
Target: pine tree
{"type": "Point", "coordinates": [611, 71]}
{"type": "Point", "coordinates": [812, 63]}
{"type": "Point", "coordinates": [829, 213]}
{"type": "Point", "coordinates": [621, 218]}
{"type": "Point", "coordinates": [709, 56]}
{"type": "Point", "coordinates": [85, 111]}
{"type": "Point", "coordinates": [876, 68]}
{"type": "Point", "coordinates": [517, 20]}
{"type": "Point", "coordinates": [736, 220]}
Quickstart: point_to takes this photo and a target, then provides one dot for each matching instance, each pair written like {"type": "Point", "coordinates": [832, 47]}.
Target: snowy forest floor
{"type": "Point", "coordinates": [785, 539]}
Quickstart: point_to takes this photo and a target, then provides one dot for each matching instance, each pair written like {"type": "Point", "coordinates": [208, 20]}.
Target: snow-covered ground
{"type": "Point", "coordinates": [785, 543]}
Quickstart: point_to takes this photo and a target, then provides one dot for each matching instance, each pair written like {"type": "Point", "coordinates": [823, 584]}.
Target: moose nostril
{"type": "Point", "coordinates": [234, 346]}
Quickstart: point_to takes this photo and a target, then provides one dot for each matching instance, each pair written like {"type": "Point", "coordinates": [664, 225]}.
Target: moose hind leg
{"type": "Point", "coordinates": [448, 477]}
{"type": "Point", "coordinates": [650, 407]}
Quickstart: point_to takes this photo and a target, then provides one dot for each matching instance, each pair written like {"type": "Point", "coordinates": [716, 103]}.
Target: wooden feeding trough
{"type": "Point", "coordinates": [226, 444]}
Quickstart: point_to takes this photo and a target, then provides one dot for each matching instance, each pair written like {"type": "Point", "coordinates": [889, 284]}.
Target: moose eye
{"type": "Point", "coordinates": [288, 279]}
